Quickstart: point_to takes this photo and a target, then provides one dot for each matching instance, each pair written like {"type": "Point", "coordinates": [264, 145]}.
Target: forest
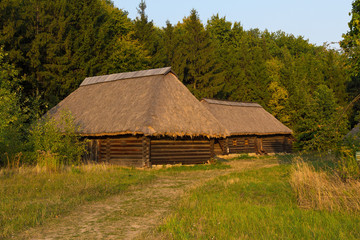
{"type": "Point", "coordinates": [47, 48]}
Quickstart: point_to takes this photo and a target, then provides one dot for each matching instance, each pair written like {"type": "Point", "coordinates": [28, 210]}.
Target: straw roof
{"type": "Point", "coordinates": [245, 118]}
{"type": "Point", "coordinates": [151, 102]}
{"type": "Point", "coordinates": [354, 133]}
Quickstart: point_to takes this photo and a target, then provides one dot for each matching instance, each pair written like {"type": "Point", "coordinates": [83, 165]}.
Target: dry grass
{"type": "Point", "coordinates": [321, 190]}
{"type": "Point", "coordinates": [31, 196]}
{"type": "Point", "coordinates": [37, 169]}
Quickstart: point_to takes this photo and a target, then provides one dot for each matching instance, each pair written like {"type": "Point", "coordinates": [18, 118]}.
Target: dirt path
{"type": "Point", "coordinates": [138, 210]}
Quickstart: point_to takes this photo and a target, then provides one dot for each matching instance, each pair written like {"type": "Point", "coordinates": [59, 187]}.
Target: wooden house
{"type": "Point", "coordinates": [142, 118]}
{"type": "Point", "coordinates": [252, 129]}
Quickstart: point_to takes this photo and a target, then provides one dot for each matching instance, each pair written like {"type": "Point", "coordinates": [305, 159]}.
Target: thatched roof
{"type": "Point", "coordinates": [245, 118]}
{"type": "Point", "coordinates": [152, 102]}
{"type": "Point", "coordinates": [353, 133]}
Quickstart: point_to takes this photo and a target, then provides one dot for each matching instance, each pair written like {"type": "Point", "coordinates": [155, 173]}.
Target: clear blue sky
{"type": "Point", "coordinates": [317, 20]}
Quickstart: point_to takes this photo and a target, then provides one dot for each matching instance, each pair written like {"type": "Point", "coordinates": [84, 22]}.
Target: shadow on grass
{"type": "Point", "coordinates": [323, 161]}
{"type": "Point", "coordinates": [218, 164]}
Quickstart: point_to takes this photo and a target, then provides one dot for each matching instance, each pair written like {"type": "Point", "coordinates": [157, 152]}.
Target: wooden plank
{"type": "Point", "coordinates": [126, 154]}
{"type": "Point", "coordinates": [181, 146]}
{"type": "Point", "coordinates": [179, 150]}
{"type": "Point", "coordinates": [116, 150]}
{"type": "Point", "coordinates": [126, 145]}
{"type": "Point", "coordinates": [154, 142]}
{"type": "Point", "coordinates": [126, 148]}
{"type": "Point", "coordinates": [155, 155]}
{"type": "Point", "coordinates": [178, 157]}
{"type": "Point", "coordinates": [107, 149]}
{"type": "Point", "coordinates": [126, 157]}
{"type": "Point", "coordinates": [127, 139]}
{"type": "Point", "coordinates": [145, 152]}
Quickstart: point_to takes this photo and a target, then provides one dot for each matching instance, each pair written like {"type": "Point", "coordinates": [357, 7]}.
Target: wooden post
{"type": "Point", "coordinates": [212, 153]}
{"type": "Point", "coordinates": [99, 151]}
{"type": "Point", "coordinates": [108, 150]}
{"type": "Point", "coordinates": [146, 151]}
{"type": "Point", "coordinates": [226, 147]}
{"type": "Point", "coordinates": [259, 145]}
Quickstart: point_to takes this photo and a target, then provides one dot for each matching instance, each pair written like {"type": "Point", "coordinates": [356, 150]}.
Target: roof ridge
{"type": "Point", "coordinates": [231, 103]}
{"type": "Point", "coordinates": [125, 75]}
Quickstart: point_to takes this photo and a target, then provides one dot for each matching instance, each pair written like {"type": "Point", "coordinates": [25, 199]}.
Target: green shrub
{"type": "Point", "coordinates": [348, 167]}
{"type": "Point", "coordinates": [56, 142]}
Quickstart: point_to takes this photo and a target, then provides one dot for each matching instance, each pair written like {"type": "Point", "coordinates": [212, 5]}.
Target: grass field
{"type": "Point", "coordinates": [257, 204]}
{"type": "Point", "coordinates": [241, 198]}
{"type": "Point", "coordinates": [28, 198]}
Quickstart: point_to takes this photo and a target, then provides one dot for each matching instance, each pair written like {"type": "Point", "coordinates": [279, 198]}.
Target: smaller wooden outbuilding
{"type": "Point", "coordinates": [353, 134]}
{"type": "Point", "coordinates": [252, 129]}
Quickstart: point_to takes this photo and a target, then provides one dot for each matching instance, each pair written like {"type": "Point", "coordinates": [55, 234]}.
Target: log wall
{"type": "Point", "coordinates": [240, 144]}
{"type": "Point", "coordinates": [125, 151]}
{"type": "Point", "coordinates": [184, 151]}
{"type": "Point", "coordinates": [92, 150]}
{"type": "Point", "coordinates": [254, 144]}
{"type": "Point", "coordinates": [276, 144]}
{"type": "Point", "coordinates": [141, 151]}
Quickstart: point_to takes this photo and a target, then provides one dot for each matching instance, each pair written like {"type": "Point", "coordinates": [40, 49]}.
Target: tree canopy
{"type": "Point", "coordinates": [53, 45]}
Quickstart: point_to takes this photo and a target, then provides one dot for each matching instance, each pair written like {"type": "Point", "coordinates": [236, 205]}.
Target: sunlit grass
{"type": "Point", "coordinates": [29, 196]}
{"type": "Point", "coordinates": [324, 190]}
{"type": "Point", "coordinates": [257, 204]}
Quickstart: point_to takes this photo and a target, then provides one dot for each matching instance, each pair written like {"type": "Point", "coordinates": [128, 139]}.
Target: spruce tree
{"type": "Point", "coordinates": [194, 57]}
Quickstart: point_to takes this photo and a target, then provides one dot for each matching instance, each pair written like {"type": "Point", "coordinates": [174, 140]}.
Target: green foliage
{"type": "Point", "coordinates": [193, 57]}
{"type": "Point", "coordinates": [348, 167]}
{"type": "Point", "coordinates": [351, 42]}
{"type": "Point", "coordinates": [279, 95]}
{"type": "Point", "coordinates": [56, 142]}
{"type": "Point", "coordinates": [57, 44]}
{"type": "Point", "coordinates": [320, 128]}
{"type": "Point", "coordinates": [351, 45]}
{"type": "Point", "coordinates": [149, 37]}
{"type": "Point", "coordinates": [11, 117]}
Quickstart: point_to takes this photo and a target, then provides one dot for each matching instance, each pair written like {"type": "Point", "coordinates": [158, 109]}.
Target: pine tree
{"type": "Point", "coordinates": [194, 57]}
{"type": "Point", "coordinates": [148, 35]}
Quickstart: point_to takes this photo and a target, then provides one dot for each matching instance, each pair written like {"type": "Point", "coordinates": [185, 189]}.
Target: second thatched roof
{"type": "Point", "coordinates": [354, 133]}
{"type": "Point", "coordinates": [151, 102]}
{"type": "Point", "coordinates": [245, 118]}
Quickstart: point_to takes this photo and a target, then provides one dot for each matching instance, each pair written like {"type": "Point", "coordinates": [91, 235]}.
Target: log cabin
{"type": "Point", "coordinates": [252, 129]}
{"type": "Point", "coordinates": [141, 119]}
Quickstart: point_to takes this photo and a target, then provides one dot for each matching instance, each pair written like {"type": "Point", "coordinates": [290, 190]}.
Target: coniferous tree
{"type": "Point", "coordinates": [56, 44]}
{"type": "Point", "coordinates": [351, 45]}
{"type": "Point", "coordinates": [194, 57]}
{"type": "Point", "coordinates": [148, 35]}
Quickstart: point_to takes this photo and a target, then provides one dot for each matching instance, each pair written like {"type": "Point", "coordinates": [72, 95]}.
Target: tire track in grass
{"type": "Point", "coordinates": [137, 211]}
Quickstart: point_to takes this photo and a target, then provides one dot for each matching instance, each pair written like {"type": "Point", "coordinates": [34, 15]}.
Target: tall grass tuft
{"type": "Point", "coordinates": [322, 190]}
